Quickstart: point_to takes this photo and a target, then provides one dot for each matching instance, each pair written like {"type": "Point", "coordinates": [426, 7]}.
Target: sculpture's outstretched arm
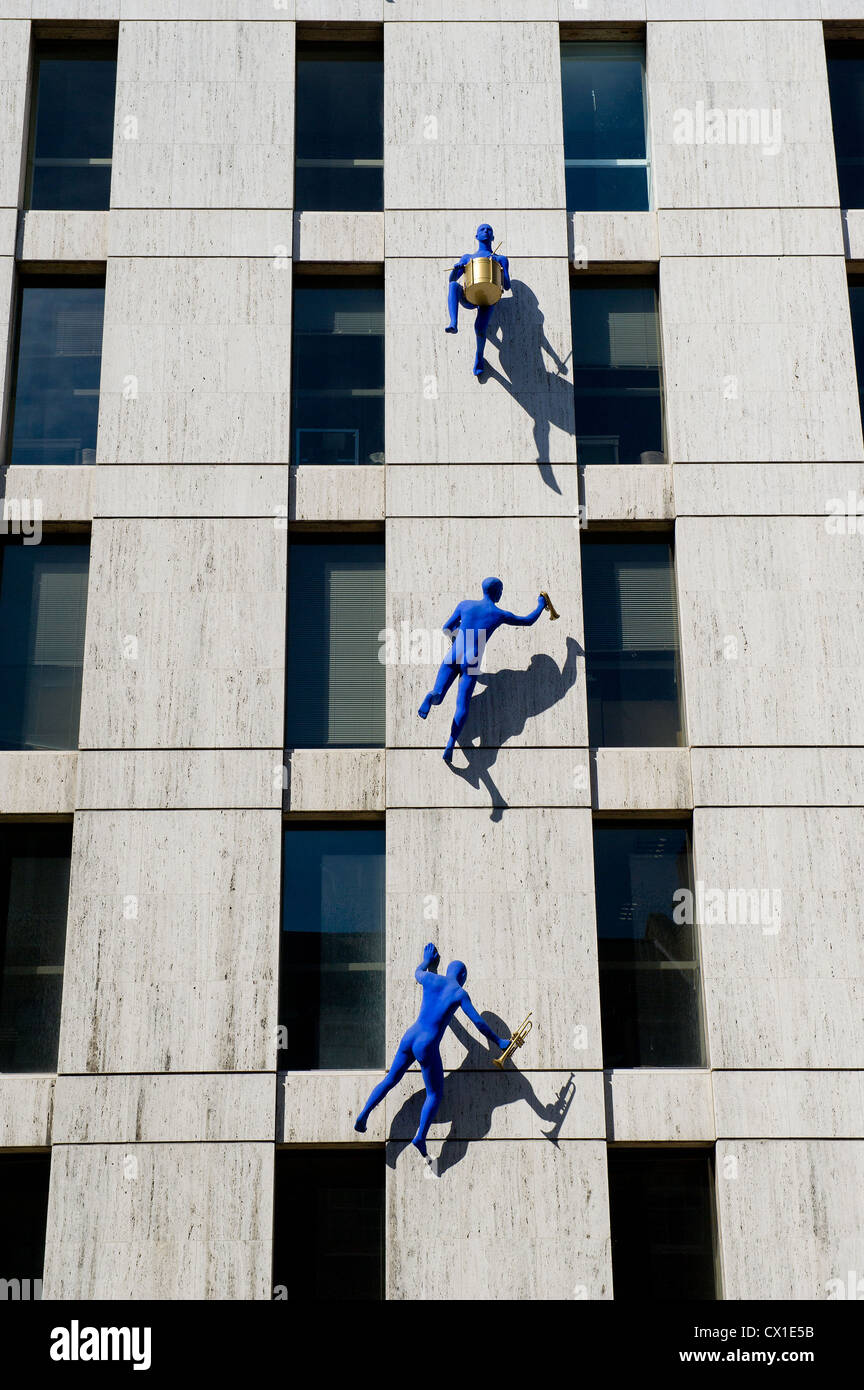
{"type": "Point", "coordinates": [429, 963]}
{"type": "Point", "coordinates": [480, 1023]}
{"type": "Point", "coordinates": [514, 620]}
{"type": "Point", "coordinates": [458, 269]}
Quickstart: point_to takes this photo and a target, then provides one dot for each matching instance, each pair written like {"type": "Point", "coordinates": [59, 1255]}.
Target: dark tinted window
{"type": "Point", "coordinates": [23, 1214]}
{"type": "Point", "coordinates": [647, 946]}
{"type": "Point", "coordinates": [328, 1238]}
{"type": "Point", "coordinates": [846, 85]}
{"type": "Point", "coordinates": [663, 1224]}
{"type": "Point", "coordinates": [340, 127]}
{"type": "Point", "coordinates": [34, 896]}
{"type": "Point", "coordinates": [605, 153]}
{"type": "Point", "coordinates": [331, 995]}
{"type": "Point", "coordinates": [856, 306]}
{"type": "Point", "coordinates": [73, 126]}
{"type": "Point", "coordinates": [616, 369]}
{"type": "Point", "coordinates": [338, 392]}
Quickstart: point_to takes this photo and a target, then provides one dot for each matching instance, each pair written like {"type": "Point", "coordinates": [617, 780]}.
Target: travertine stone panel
{"type": "Point", "coordinates": [497, 779]}
{"type": "Point", "coordinates": [178, 780]}
{"type": "Point", "coordinates": [520, 410]}
{"type": "Point", "coordinates": [515, 902]}
{"type": "Point", "coordinates": [63, 236]}
{"type": "Point", "coordinates": [320, 1107]}
{"type": "Point", "coordinates": [449, 232]}
{"type": "Point", "coordinates": [26, 1107]}
{"type": "Point", "coordinates": [665, 1106]}
{"type": "Point", "coordinates": [214, 110]}
{"type": "Point", "coordinates": [771, 635]}
{"type": "Point", "coordinates": [458, 129]}
{"type": "Point", "coordinates": [612, 236]}
{"type": "Point", "coordinates": [14, 59]}
{"type": "Point", "coordinates": [511, 490]}
{"type": "Point", "coordinates": [37, 783]}
{"type": "Point", "coordinates": [159, 1109]}
{"type": "Point", "coordinates": [172, 944]}
{"type": "Point", "coordinates": [205, 602]}
{"type": "Point", "coordinates": [510, 1104]}
{"type": "Point", "coordinates": [334, 779]}
{"type": "Point", "coordinates": [339, 236]}
{"type": "Point", "coordinates": [187, 1221]}
{"type": "Point", "coordinates": [778, 776]}
{"type": "Point", "coordinates": [641, 779]}
{"type": "Point", "coordinates": [192, 490]}
{"type": "Point", "coordinates": [750, 232]}
{"type": "Point", "coordinates": [319, 492]}
{"type": "Point", "coordinates": [790, 1220]}
{"type": "Point", "coordinates": [613, 493]}
{"type": "Point", "coordinates": [736, 9]}
{"type": "Point", "coordinates": [784, 980]}
{"type": "Point", "coordinates": [785, 157]}
{"type": "Point", "coordinates": [789, 1104]}
{"type": "Point", "coordinates": [531, 685]}
{"type": "Point", "coordinates": [770, 489]}
{"type": "Point", "coordinates": [48, 494]}
{"type": "Point", "coordinates": [758, 360]}
{"type": "Point", "coordinates": [519, 1215]}
{"type": "Point", "coordinates": [266, 232]}
{"type": "Point", "coordinates": [196, 361]}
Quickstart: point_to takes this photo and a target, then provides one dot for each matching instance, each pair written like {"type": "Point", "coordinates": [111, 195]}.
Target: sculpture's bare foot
{"type": "Point", "coordinates": [479, 368]}
{"type": "Point", "coordinates": [425, 708]}
{"type": "Point", "coordinates": [451, 328]}
{"type": "Point", "coordinates": [448, 751]}
{"type": "Point", "coordinates": [420, 1145]}
{"type": "Point", "coordinates": [360, 1125]}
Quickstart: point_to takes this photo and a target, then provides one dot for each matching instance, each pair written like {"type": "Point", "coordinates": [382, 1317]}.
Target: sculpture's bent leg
{"type": "Point", "coordinates": [467, 683]}
{"type": "Point", "coordinates": [447, 673]}
{"type": "Point", "coordinates": [433, 1079]}
{"type": "Point", "coordinates": [401, 1062]}
{"type": "Point", "coordinates": [455, 297]}
{"type": "Point", "coordinates": [481, 323]}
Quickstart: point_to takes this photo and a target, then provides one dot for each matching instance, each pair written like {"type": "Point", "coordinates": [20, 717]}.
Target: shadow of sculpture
{"type": "Point", "coordinates": [502, 708]}
{"type": "Point", "coordinates": [469, 1106]}
{"type": "Point", "coordinates": [518, 332]}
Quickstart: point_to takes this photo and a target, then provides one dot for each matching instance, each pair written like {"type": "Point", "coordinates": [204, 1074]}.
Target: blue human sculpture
{"type": "Point", "coordinates": [472, 622]}
{"type": "Point", "coordinates": [442, 996]}
{"type": "Point", "coordinates": [456, 295]}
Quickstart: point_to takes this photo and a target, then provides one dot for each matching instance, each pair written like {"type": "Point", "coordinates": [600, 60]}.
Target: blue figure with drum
{"type": "Point", "coordinates": [486, 276]}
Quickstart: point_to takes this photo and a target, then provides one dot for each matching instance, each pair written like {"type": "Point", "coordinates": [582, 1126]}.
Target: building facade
{"type": "Point", "coordinates": [262, 476]}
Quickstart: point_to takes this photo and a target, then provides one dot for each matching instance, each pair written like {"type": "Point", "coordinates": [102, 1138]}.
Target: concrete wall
{"type": "Point", "coordinates": [167, 1105]}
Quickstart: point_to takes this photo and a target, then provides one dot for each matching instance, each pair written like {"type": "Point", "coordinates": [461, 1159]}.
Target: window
{"type": "Point", "coordinates": [335, 679]}
{"type": "Point", "coordinates": [846, 85]}
{"type": "Point", "coordinates": [23, 1217]}
{"type": "Point", "coordinates": [605, 150]}
{"type": "Point", "coordinates": [55, 405]}
{"type": "Point", "coordinates": [340, 127]}
{"type": "Point", "coordinates": [43, 608]}
{"type": "Point", "coordinates": [34, 894]}
{"type": "Point", "coordinates": [632, 656]}
{"type": "Point", "coordinates": [663, 1222]}
{"type": "Point", "coordinates": [72, 126]}
{"type": "Point", "coordinates": [647, 945]}
{"type": "Point", "coordinates": [856, 305]}
{"type": "Point", "coordinates": [616, 369]}
{"type": "Point", "coordinates": [338, 354]}
{"type": "Point", "coordinates": [328, 1232]}
{"type": "Point", "coordinates": [331, 975]}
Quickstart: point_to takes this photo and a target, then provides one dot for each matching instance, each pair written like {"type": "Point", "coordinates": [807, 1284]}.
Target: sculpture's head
{"type": "Point", "coordinates": [485, 232]}
{"type": "Point", "coordinates": [493, 589]}
{"type": "Point", "coordinates": [457, 971]}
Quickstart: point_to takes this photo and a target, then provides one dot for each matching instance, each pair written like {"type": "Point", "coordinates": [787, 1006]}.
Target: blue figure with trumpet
{"type": "Point", "coordinates": [442, 996]}
{"type": "Point", "coordinates": [486, 275]}
{"type": "Point", "coordinates": [472, 622]}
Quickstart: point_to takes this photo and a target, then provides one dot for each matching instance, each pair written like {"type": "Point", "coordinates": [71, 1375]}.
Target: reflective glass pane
{"type": "Point", "coordinates": [616, 370]}
{"type": "Point", "coordinates": [663, 1225]}
{"type": "Point", "coordinates": [328, 1232]}
{"type": "Point", "coordinates": [43, 609]}
{"type": "Point", "coordinates": [331, 997]}
{"type": "Point", "coordinates": [647, 948]}
{"type": "Point", "coordinates": [34, 893]}
{"type": "Point", "coordinates": [846, 85]}
{"type": "Point", "coordinates": [632, 654]}
{"type": "Point", "coordinates": [604, 127]}
{"type": "Point", "coordinates": [59, 360]}
{"type": "Point", "coordinates": [73, 130]}
{"type": "Point", "coordinates": [340, 128]}
{"type": "Point", "coordinates": [338, 392]}
{"type": "Point", "coordinates": [856, 306]}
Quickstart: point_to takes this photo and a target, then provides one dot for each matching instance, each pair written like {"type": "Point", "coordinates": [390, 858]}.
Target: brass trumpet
{"type": "Point", "coordinates": [550, 607]}
{"type": "Point", "coordinates": [517, 1040]}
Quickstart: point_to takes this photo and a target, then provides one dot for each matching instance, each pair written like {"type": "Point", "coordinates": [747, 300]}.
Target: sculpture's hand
{"type": "Point", "coordinates": [430, 955]}
{"type": "Point", "coordinates": [504, 1043]}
